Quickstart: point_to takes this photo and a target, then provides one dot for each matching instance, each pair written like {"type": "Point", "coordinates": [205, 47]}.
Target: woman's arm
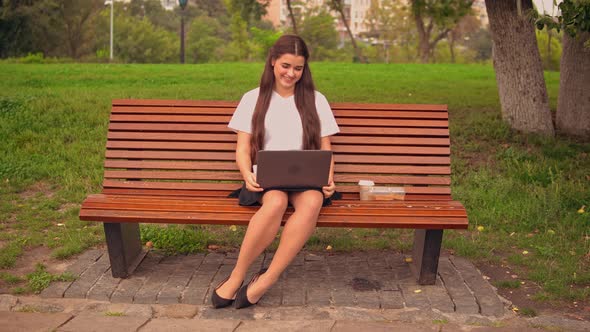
{"type": "Point", "coordinates": [244, 162]}
{"type": "Point", "coordinates": [331, 187]}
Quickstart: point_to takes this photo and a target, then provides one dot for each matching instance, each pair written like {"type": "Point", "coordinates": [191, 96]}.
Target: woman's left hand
{"type": "Point", "coordinates": [329, 189]}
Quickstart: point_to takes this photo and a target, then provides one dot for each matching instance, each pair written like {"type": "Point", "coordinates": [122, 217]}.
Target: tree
{"type": "Point", "coordinates": [292, 17]}
{"type": "Point", "coordinates": [76, 17]}
{"type": "Point", "coordinates": [249, 10]}
{"type": "Point", "coordinates": [389, 22]}
{"type": "Point", "coordinates": [434, 20]}
{"type": "Point", "coordinates": [138, 40]}
{"type": "Point", "coordinates": [204, 39]}
{"type": "Point", "coordinates": [468, 24]}
{"type": "Point", "coordinates": [519, 71]}
{"type": "Point", "coordinates": [573, 103]}
{"type": "Point", "coordinates": [481, 42]}
{"type": "Point", "coordinates": [320, 34]}
{"type": "Point", "coordinates": [338, 6]}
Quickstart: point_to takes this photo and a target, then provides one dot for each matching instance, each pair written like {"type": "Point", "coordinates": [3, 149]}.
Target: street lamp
{"type": "Point", "coordinates": [110, 2]}
{"type": "Point", "coordinates": [182, 4]}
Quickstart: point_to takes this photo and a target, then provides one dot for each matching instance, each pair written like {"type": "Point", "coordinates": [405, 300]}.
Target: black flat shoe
{"type": "Point", "coordinates": [242, 295]}
{"type": "Point", "coordinates": [218, 301]}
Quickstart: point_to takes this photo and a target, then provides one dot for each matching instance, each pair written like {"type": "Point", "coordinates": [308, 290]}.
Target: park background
{"type": "Point", "coordinates": [526, 193]}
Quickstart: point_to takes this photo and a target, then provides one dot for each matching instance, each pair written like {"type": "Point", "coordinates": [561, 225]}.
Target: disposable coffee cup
{"type": "Point", "coordinates": [365, 187]}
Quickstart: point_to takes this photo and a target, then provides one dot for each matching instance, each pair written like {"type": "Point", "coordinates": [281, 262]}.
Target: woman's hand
{"type": "Point", "coordinates": [251, 183]}
{"type": "Point", "coordinates": [329, 189]}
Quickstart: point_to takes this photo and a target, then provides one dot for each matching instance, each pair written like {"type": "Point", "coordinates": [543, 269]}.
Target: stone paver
{"type": "Point", "coordinates": [461, 296]}
{"type": "Point", "coordinates": [181, 325]}
{"type": "Point", "coordinates": [7, 302]}
{"type": "Point", "coordinates": [272, 326]}
{"type": "Point", "coordinates": [80, 287]}
{"type": "Point", "coordinates": [93, 323]}
{"type": "Point", "coordinates": [31, 321]}
{"type": "Point", "coordinates": [355, 326]}
{"type": "Point", "coordinates": [489, 302]}
{"type": "Point", "coordinates": [350, 280]}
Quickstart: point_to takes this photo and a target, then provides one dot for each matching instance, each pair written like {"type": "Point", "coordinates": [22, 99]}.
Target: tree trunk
{"type": "Point", "coordinates": [293, 23]}
{"type": "Point", "coordinates": [573, 104]}
{"type": "Point", "coordinates": [357, 51]}
{"type": "Point", "coordinates": [423, 39]}
{"type": "Point", "coordinates": [518, 66]}
{"type": "Point", "coordinates": [451, 46]}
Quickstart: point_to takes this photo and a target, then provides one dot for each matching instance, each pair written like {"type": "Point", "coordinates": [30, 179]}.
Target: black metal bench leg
{"type": "Point", "coordinates": [427, 244]}
{"type": "Point", "coordinates": [124, 245]}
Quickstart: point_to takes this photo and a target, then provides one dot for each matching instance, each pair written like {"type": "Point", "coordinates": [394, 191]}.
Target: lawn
{"type": "Point", "coordinates": [524, 194]}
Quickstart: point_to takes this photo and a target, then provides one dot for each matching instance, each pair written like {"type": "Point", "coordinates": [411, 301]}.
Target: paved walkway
{"type": "Point", "coordinates": [319, 292]}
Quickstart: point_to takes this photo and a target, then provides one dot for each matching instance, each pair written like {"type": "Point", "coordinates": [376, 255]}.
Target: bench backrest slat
{"type": "Point", "coordinates": [184, 148]}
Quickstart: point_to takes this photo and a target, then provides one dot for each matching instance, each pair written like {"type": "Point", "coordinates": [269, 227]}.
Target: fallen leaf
{"type": "Point", "coordinates": [512, 233]}
{"type": "Point", "coordinates": [581, 210]}
{"type": "Point", "coordinates": [480, 228]}
{"type": "Point", "coordinates": [408, 259]}
{"type": "Point", "coordinates": [149, 244]}
{"type": "Point", "coordinates": [525, 252]}
{"type": "Point", "coordinates": [550, 232]}
{"type": "Point", "coordinates": [60, 225]}
{"type": "Point", "coordinates": [515, 309]}
{"type": "Point", "coordinates": [514, 276]}
{"type": "Point", "coordinates": [329, 247]}
{"type": "Point", "coordinates": [233, 228]}
{"type": "Point", "coordinates": [418, 291]}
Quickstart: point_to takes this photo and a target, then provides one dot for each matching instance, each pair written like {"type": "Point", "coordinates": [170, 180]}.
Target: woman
{"type": "Point", "coordinates": [284, 113]}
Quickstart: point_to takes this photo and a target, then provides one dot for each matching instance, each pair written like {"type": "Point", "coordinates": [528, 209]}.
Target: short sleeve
{"type": "Point", "coordinates": [242, 118]}
{"type": "Point", "coordinates": [327, 121]}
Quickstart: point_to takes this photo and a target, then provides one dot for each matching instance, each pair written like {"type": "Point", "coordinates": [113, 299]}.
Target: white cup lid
{"type": "Point", "coordinates": [366, 183]}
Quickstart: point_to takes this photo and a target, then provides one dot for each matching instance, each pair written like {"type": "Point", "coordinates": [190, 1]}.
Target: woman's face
{"type": "Point", "coordinates": [287, 69]}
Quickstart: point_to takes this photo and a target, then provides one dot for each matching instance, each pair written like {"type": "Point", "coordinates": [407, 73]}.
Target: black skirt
{"type": "Point", "coordinates": [252, 198]}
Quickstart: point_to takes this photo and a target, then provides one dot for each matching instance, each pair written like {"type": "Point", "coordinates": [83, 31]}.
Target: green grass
{"type": "Point", "coordinates": [40, 279]}
{"type": "Point", "coordinates": [512, 284]}
{"type": "Point", "coordinates": [523, 190]}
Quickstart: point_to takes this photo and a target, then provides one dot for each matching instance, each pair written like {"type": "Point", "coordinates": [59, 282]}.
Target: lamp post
{"type": "Point", "coordinates": [112, 6]}
{"type": "Point", "coordinates": [106, 3]}
{"type": "Point", "coordinates": [182, 4]}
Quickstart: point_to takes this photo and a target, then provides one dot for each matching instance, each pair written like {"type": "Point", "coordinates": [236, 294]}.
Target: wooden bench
{"type": "Point", "coordinates": [171, 161]}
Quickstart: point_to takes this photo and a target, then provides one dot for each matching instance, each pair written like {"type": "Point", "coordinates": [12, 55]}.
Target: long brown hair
{"type": "Point", "coordinates": [304, 96]}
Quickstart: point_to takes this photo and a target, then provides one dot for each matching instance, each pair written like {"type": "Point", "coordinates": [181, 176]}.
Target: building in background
{"type": "Point", "coordinates": [479, 11]}
{"type": "Point", "coordinates": [169, 4]}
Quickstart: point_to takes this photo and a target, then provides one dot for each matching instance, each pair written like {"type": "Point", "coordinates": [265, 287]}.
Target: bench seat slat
{"type": "Point", "coordinates": [232, 186]}
{"type": "Point", "coordinates": [236, 176]}
{"type": "Point", "coordinates": [191, 137]}
{"type": "Point", "coordinates": [228, 111]}
{"type": "Point", "coordinates": [222, 128]}
{"type": "Point", "coordinates": [212, 146]}
{"type": "Point", "coordinates": [171, 200]}
{"type": "Point", "coordinates": [244, 218]}
{"type": "Point", "coordinates": [224, 193]}
{"type": "Point", "coordinates": [233, 104]}
{"type": "Point", "coordinates": [230, 156]}
{"type": "Point", "coordinates": [231, 166]}
{"type": "Point", "coordinates": [332, 211]}
{"type": "Point", "coordinates": [224, 119]}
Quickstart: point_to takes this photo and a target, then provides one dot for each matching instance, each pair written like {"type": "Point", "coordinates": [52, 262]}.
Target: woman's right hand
{"type": "Point", "coordinates": [251, 183]}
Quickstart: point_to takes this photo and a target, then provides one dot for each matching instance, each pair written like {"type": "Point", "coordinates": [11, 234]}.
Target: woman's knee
{"type": "Point", "coordinates": [275, 200]}
{"type": "Point", "coordinates": [309, 202]}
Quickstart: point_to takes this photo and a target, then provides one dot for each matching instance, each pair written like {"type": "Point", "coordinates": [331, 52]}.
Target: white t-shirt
{"type": "Point", "coordinates": [282, 125]}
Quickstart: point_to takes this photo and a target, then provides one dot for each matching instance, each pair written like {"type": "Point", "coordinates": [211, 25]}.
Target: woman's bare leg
{"type": "Point", "coordinates": [262, 229]}
{"type": "Point", "coordinates": [297, 230]}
